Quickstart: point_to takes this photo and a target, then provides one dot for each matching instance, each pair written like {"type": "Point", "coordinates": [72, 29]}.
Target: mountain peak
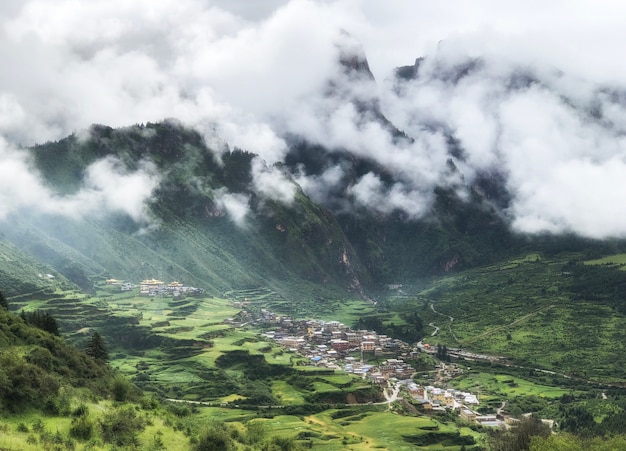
{"type": "Point", "coordinates": [352, 58]}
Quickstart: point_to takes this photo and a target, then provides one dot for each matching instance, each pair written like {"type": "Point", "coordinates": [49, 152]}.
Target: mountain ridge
{"type": "Point", "coordinates": [335, 216]}
{"type": "Point", "coordinates": [194, 239]}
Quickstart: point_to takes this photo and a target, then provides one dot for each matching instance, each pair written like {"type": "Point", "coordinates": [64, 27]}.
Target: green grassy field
{"type": "Point", "coordinates": [506, 386]}
{"type": "Point", "coordinates": [380, 430]}
{"type": "Point", "coordinates": [288, 394]}
{"type": "Point", "coordinates": [520, 309]}
{"type": "Point", "coordinates": [525, 309]}
{"type": "Point", "coordinates": [32, 431]}
{"type": "Point", "coordinates": [617, 260]}
{"type": "Point", "coordinates": [348, 311]}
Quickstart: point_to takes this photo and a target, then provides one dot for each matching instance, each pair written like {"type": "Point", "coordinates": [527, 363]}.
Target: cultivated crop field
{"type": "Point", "coordinates": [617, 260]}
{"type": "Point", "coordinates": [188, 351]}
{"type": "Point", "coordinates": [505, 386]}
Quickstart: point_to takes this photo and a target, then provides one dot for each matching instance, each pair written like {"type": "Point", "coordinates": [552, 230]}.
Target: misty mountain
{"type": "Point", "coordinates": [191, 230]}
{"type": "Point", "coordinates": [380, 188]}
{"type": "Point", "coordinates": [191, 233]}
{"type": "Point", "coordinates": [188, 232]}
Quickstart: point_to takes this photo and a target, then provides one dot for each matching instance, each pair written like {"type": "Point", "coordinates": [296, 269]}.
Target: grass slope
{"type": "Point", "coordinates": [554, 313]}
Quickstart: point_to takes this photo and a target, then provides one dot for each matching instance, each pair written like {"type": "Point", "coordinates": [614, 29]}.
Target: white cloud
{"type": "Point", "coordinates": [110, 187]}
{"type": "Point", "coordinates": [320, 187]}
{"type": "Point", "coordinates": [371, 193]}
{"type": "Point", "coordinates": [107, 188]}
{"type": "Point", "coordinates": [236, 205]}
{"type": "Point", "coordinates": [580, 196]}
{"type": "Point", "coordinates": [272, 183]}
{"type": "Point", "coordinates": [248, 73]}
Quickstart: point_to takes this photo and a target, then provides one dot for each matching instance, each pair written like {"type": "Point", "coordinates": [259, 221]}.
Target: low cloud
{"type": "Point", "coordinates": [580, 196]}
{"type": "Point", "coordinates": [272, 183]}
{"type": "Point", "coordinates": [236, 205]}
{"type": "Point", "coordinates": [557, 138]}
{"type": "Point", "coordinates": [544, 106]}
{"type": "Point", "coordinates": [107, 188]}
{"type": "Point", "coordinates": [370, 192]}
{"type": "Point", "coordinates": [112, 188]}
{"type": "Point", "coordinates": [320, 187]}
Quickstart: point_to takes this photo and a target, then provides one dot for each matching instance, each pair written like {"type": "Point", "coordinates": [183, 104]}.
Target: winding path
{"type": "Point", "coordinates": [432, 307]}
{"type": "Point", "coordinates": [390, 398]}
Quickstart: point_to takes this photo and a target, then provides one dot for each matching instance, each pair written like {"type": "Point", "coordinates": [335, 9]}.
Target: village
{"type": "Point", "coordinates": [155, 287]}
{"type": "Point", "coordinates": [334, 345]}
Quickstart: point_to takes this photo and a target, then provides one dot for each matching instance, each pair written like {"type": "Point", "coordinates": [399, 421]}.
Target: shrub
{"type": "Point", "coordinates": [22, 382]}
{"type": "Point", "coordinates": [157, 442]}
{"type": "Point", "coordinates": [38, 426]}
{"type": "Point", "coordinates": [212, 441]}
{"type": "Point", "coordinates": [149, 402]}
{"type": "Point", "coordinates": [80, 411]}
{"type": "Point", "coordinates": [41, 357]}
{"type": "Point", "coordinates": [255, 431]}
{"type": "Point", "coordinates": [215, 438]}
{"type": "Point", "coordinates": [281, 444]}
{"type": "Point", "coordinates": [121, 427]}
{"type": "Point", "coordinates": [121, 389]}
{"type": "Point", "coordinates": [179, 409]}
{"type": "Point", "coordinates": [82, 428]}
{"type": "Point", "coordinates": [57, 405]}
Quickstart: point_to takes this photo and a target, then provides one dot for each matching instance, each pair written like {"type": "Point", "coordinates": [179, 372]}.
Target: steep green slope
{"type": "Point", "coordinates": [20, 273]}
{"type": "Point", "coordinates": [300, 249]}
{"type": "Point", "coordinates": [456, 235]}
{"type": "Point", "coordinates": [35, 365]}
{"type": "Point", "coordinates": [455, 232]}
{"type": "Point", "coordinates": [292, 248]}
{"type": "Point", "coordinates": [539, 310]}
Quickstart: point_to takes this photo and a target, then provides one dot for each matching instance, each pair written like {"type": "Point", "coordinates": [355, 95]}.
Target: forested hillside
{"type": "Point", "coordinates": [188, 231]}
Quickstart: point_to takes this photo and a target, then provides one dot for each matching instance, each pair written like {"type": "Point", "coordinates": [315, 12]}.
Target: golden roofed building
{"type": "Point", "coordinates": [151, 286]}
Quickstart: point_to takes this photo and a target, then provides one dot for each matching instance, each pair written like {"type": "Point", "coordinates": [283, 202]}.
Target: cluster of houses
{"type": "Point", "coordinates": [381, 374]}
{"type": "Point", "coordinates": [436, 398]}
{"type": "Point", "coordinates": [442, 399]}
{"type": "Point", "coordinates": [333, 345]}
{"type": "Point", "coordinates": [154, 287]}
{"type": "Point", "coordinates": [124, 286]}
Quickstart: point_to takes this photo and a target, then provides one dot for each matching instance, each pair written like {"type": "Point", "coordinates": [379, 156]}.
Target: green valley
{"type": "Point", "coordinates": [298, 324]}
{"type": "Point", "coordinates": [208, 359]}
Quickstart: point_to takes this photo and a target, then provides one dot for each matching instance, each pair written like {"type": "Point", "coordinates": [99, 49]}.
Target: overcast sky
{"type": "Point", "coordinates": [249, 71]}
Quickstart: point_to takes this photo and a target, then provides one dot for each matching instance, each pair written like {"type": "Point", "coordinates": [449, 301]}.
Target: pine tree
{"type": "Point", "coordinates": [96, 347]}
{"type": "Point", "coordinates": [3, 302]}
{"type": "Point", "coordinates": [42, 320]}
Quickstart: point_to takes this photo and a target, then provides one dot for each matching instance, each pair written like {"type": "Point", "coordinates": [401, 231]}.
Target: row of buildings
{"type": "Point", "coordinates": [436, 398]}
{"type": "Point", "coordinates": [442, 397]}
{"type": "Point", "coordinates": [155, 287]}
